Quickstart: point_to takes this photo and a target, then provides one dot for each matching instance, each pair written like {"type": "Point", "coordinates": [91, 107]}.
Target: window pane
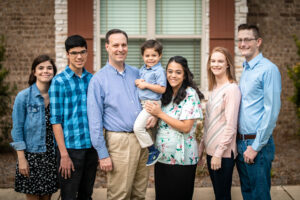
{"type": "Point", "coordinates": [190, 49]}
{"type": "Point", "coordinates": [130, 16]}
{"type": "Point", "coordinates": [177, 17]}
{"type": "Point", "coordinates": [134, 57]}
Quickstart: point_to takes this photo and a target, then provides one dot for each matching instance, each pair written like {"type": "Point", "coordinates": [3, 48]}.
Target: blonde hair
{"type": "Point", "coordinates": [230, 71]}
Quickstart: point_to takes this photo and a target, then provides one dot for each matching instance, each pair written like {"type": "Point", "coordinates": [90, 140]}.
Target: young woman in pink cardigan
{"type": "Point", "coordinates": [220, 125]}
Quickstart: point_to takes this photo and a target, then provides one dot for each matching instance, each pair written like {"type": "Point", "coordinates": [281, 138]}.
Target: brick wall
{"type": "Point", "coordinates": [278, 21]}
{"type": "Point", "coordinates": [28, 27]}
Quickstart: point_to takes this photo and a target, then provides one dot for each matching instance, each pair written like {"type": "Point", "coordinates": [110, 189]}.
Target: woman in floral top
{"type": "Point", "coordinates": [175, 170]}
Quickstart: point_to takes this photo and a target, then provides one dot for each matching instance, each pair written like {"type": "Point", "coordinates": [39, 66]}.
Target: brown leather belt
{"type": "Point", "coordinates": [245, 137]}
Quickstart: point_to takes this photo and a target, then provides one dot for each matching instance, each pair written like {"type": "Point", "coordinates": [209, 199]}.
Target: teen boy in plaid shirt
{"type": "Point", "coordinates": [76, 158]}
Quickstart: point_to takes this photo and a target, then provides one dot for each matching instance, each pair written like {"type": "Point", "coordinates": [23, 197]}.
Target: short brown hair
{"type": "Point", "coordinates": [114, 31]}
{"type": "Point", "coordinates": [149, 44]}
{"type": "Point", "coordinates": [254, 29]}
{"type": "Point", "coordinates": [230, 70]}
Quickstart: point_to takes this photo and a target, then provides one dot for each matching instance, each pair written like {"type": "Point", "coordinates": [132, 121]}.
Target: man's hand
{"type": "Point", "coordinates": [66, 165]}
{"type": "Point", "coordinates": [250, 155]}
{"type": "Point", "coordinates": [24, 167]}
{"type": "Point", "coordinates": [151, 122]}
{"type": "Point", "coordinates": [215, 163]}
{"type": "Point", "coordinates": [105, 164]}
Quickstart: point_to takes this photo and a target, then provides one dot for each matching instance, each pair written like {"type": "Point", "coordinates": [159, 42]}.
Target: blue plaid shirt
{"type": "Point", "coordinates": [68, 95]}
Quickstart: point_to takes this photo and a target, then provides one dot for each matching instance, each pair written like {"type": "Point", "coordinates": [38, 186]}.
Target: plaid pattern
{"type": "Point", "coordinates": [68, 95]}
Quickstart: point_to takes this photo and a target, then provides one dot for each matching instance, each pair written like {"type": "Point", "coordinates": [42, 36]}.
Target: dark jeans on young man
{"type": "Point", "coordinates": [256, 178]}
{"type": "Point", "coordinates": [80, 185]}
{"type": "Point", "coordinates": [222, 178]}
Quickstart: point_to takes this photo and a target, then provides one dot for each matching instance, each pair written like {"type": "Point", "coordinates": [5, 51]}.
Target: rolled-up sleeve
{"type": "Point", "coordinates": [95, 101]}
{"type": "Point", "coordinates": [18, 118]}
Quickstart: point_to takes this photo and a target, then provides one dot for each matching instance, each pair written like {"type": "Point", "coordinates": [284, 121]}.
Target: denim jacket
{"type": "Point", "coordinates": [29, 125]}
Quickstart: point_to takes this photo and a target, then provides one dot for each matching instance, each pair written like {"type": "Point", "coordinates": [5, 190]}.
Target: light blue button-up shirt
{"type": "Point", "coordinates": [260, 86]}
{"type": "Point", "coordinates": [112, 104]}
{"type": "Point", "coordinates": [153, 75]}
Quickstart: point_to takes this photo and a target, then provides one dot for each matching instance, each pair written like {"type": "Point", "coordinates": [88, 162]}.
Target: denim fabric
{"type": "Point", "coordinates": [256, 178]}
{"type": "Point", "coordinates": [29, 125]}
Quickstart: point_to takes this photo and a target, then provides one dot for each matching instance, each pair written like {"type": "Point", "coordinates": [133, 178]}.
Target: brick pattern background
{"type": "Point", "coordinates": [278, 21]}
{"type": "Point", "coordinates": [28, 27]}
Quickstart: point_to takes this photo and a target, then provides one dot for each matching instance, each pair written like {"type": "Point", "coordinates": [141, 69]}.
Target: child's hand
{"type": "Point", "coordinates": [138, 81]}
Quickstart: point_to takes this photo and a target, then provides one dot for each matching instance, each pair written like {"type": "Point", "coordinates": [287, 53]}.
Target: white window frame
{"type": "Point", "coordinates": [151, 34]}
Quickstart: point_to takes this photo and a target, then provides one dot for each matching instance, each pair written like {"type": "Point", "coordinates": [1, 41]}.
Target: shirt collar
{"type": "Point", "coordinates": [154, 68]}
{"type": "Point", "coordinates": [70, 73]}
{"type": "Point", "coordinates": [115, 70]}
{"type": "Point", "coordinates": [252, 63]}
{"type": "Point", "coordinates": [35, 91]}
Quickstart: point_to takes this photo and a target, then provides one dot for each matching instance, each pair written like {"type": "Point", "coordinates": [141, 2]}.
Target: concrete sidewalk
{"type": "Point", "coordinates": [277, 192]}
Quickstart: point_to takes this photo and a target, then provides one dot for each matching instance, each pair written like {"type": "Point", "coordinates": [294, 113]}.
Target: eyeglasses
{"type": "Point", "coordinates": [245, 40]}
{"type": "Point", "coordinates": [76, 53]}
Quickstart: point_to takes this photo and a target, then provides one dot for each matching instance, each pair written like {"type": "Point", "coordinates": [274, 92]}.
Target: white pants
{"type": "Point", "coordinates": [139, 128]}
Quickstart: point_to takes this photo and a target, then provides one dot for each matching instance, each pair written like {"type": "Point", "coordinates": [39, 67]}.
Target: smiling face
{"type": "Point", "coordinates": [248, 44]}
{"type": "Point", "coordinates": [151, 57]}
{"type": "Point", "coordinates": [218, 64]}
{"type": "Point", "coordinates": [44, 72]}
{"type": "Point", "coordinates": [117, 49]}
{"type": "Point", "coordinates": [175, 75]}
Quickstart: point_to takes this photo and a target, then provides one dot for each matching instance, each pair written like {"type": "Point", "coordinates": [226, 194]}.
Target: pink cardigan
{"type": "Point", "coordinates": [220, 125]}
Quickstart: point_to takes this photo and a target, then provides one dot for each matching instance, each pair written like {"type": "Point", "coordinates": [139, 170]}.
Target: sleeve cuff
{"type": "Point", "coordinates": [255, 146]}
{"type": "Point", "coordinates": [18, 145]}
{"type": "Point", "coordinates": [219, 153]}
{"type": "Point", "coordinates": [55, 120]}
{"type": "Point", "coordinates": [102, 152]}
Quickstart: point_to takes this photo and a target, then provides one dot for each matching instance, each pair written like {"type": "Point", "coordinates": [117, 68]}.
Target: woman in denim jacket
{"type": "Point", "coordinates": [32, 134]}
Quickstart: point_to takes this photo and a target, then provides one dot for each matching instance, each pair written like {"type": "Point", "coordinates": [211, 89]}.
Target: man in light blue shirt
{"type": "Point", "coordinates": [113, 104]}
{"type": "Point", "coordinates": [260, 86]}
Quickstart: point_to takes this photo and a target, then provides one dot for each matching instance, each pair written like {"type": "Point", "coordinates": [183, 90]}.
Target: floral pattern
{"type": "Point", "coordinates": [177, 147]}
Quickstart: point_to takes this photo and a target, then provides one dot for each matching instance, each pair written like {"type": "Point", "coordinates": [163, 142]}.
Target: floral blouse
{"type": "Point", "coordinates": [177, 147]}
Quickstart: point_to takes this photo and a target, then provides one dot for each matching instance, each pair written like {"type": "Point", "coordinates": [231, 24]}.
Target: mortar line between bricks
{"type": "Point", "coordinates": [287, 192]}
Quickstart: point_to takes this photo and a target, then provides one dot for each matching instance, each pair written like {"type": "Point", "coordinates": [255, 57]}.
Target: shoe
{"type": "Point", "coordinates": [153, 158]}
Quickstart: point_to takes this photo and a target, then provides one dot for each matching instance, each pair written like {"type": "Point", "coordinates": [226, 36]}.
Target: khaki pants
{"type": "Point", "coordinates": [129, 177]}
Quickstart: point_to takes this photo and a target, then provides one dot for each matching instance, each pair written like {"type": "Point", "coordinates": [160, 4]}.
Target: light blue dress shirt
{"type": "Point", "coordinates": [112, 104]}
{"type": "Point", "coordinates": [260, 86]}
{"type": "Point", "coordinates": [153, 75]}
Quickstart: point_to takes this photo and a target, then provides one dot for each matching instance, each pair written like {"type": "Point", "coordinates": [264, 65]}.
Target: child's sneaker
{"type": "Point", "coordinates": [153, 157]}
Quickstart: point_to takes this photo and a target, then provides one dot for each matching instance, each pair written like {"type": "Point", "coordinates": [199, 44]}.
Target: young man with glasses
{"type": "Point", "coordinates": [260, 85]}
{"type": "Point", "coordinates": [77, 160]}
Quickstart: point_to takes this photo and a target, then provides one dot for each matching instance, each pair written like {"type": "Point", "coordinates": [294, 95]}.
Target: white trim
{"type": "Point", "coordinates": [61, 33]}
{"type": "Point", "coordinates": [204, 46]}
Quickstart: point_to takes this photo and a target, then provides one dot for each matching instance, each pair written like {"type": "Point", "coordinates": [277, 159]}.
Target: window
{"type": "Point", "coordinates": [176, 24]}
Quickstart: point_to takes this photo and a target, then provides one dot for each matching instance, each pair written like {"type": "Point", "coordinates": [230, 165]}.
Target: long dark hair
{"type": "Point", "coordinates": [36, 62]}
{"type": "Point", "coordinates": [187, 82]}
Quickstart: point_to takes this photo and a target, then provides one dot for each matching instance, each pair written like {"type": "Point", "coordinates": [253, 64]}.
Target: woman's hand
{"type": "Point", "coordinates": [23, 167]}
{"type": "Point", "coordinates": [153, 108]}
{"type": "Point", "coordinates": [215, 163]}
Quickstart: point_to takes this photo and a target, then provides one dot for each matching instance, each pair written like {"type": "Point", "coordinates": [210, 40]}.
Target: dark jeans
{"type": "Point", "coordinates": [174, 182]}
{"type": "Point", "coordinates": [256, 178]}
{"type": "Point", "coordinates": [222, 178]}
{"type": "Point", "coordinates": [80, 185]}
